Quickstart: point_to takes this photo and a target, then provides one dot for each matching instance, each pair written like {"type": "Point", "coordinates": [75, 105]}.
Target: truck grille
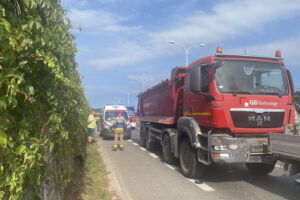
{"type": "Point", "coordinates": [257, 118]}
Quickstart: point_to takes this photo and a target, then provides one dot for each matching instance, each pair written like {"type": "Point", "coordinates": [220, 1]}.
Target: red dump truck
{"type": "Point", "coordinates": [219, 109]}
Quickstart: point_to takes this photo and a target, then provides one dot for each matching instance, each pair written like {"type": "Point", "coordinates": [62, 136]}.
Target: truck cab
{"type": "Point", "coordinates": [238, 100]}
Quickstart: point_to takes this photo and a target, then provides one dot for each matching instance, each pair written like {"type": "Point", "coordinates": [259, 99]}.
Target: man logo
{"type": "Point", "coordinates": [259, 119]}
{"type": "Point", "coordinates": [248, 70]}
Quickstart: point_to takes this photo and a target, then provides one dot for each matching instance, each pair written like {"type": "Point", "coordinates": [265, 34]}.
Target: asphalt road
{"type": "Point", "coordinates": [142, 175]}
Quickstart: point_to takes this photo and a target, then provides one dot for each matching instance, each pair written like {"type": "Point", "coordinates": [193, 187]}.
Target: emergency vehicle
{"type": "Point", "coordinates": [109, 113]}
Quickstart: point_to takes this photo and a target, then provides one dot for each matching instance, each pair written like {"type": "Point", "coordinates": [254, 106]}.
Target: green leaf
{"type": "Point", "coordinates": [31, 90]}
{"type": "Point", "coordinates": [3, 104]}
{"type": "Point", "coordinates": [21, 149]}
{"type": "Point", "coordinates": [3, 137]}
{"type": "Point", "coordinates": [51, 147]}
{"type": "Point", "coordinates": [13, 42]}
{"type": "Point", "coordinates": [6, 25]}
{"type": "Point", "coordinates": [1, 194]}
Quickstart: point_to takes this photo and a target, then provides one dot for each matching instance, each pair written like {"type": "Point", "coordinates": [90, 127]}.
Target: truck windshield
{"type": "Point", "coordinates": [110, 115]}
{"type": "Point", "coordinates": [251, 77]}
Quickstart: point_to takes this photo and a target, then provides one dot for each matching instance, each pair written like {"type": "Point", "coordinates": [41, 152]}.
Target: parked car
{"type": "Point", "coordinates": [109, 113]}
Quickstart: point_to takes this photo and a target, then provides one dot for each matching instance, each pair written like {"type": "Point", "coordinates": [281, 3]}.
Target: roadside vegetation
{"type": "Point", "coordinates": [96, 184]}
{"type": "Point", "coordinates": [43, 108]}
{"type": "Point", "coordinates": [91, 181]}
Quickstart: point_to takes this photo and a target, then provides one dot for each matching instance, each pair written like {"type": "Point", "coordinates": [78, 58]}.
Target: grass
{"type": "Point", "coordinates": [91, 182]}
{"type": "Point", "coordinates": [95, 180]}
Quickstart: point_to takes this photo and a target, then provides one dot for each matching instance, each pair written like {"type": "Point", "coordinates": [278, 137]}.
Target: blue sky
{"type": "Point", "coordinates": [123, 44]}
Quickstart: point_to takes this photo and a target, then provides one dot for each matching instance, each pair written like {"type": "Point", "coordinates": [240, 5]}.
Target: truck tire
{"type": "Point", "coordinates": [142, 137]}
{"type": "Point", "coordinates": [189, 164]}
{"type": "Point", "coordinates": [128, 137]}
{"type": "Point", "coordinates": [260, 168]}
{"type": "Point", "coordinates": [166, 149]}
{"type": "Point", "coordinates": [149, 144]}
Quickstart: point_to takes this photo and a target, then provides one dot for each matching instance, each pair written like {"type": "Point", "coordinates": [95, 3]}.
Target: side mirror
{"type": "Point", "coordinates": [291, 83]}
{"type": "Point", "coordinates": [195, 79]}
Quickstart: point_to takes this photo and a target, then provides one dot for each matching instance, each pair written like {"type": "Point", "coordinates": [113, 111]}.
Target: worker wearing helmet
{"type": "Point", "coordinates": [119, 127]}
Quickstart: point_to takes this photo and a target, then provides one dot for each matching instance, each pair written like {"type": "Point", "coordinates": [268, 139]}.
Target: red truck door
{"type": "Point", "coordinates": [196, 97]}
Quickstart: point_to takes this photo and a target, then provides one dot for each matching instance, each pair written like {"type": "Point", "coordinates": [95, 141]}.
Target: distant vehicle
{"type": "Point", "coordinates": [132, 116]}
{"type": "Point", "coordinates": [109, 113]}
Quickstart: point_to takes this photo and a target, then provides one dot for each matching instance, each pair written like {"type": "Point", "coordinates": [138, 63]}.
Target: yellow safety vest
{"type": "Point", "coordinates": [92, 124]}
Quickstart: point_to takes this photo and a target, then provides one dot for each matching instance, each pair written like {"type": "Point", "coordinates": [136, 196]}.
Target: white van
{"type": "Point", "coordinates": [109, 113]}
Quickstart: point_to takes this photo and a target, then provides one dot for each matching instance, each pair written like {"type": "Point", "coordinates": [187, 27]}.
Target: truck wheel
{"type": "Point", "coordinates": [149, 144]}
{"type": "Point", "coordinates": [189, 164]}
{"type": "Point", "coordinates": [142, 137]}
{"type": "Point", "coordinates": [128, 137]}
{"type": "Point", "coordinates": [167, 153]}
{"type": "Point", "coordinates": [260, 168]}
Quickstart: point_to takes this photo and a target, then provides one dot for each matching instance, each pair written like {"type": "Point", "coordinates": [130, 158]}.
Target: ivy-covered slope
{"type": "Point", "coordinates": [42, 103]}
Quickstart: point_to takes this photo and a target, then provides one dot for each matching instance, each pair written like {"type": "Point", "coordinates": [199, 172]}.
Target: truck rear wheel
{"type": "Point", "coordinates": [142, 137]}
{"type": "Point", "coordinates": [167, 153]}
{"type": "Point", "coordinates": [189, 164]}
{"type": "Point", "coordinates": [149, 144]}
{"type": "Point", "coordinates": [260, 168]}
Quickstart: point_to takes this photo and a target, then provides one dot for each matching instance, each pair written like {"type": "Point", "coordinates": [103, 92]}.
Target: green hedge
{"type": "Point", "coordinates": [42, 103]}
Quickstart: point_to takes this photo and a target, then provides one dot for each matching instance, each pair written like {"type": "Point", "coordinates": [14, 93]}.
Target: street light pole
{"type": "Point", "coordinates": [145, 81]}
{"type": "Point", "coordinates": [128, 96]}
{"type": "Point", "coordinates": [187, 49]}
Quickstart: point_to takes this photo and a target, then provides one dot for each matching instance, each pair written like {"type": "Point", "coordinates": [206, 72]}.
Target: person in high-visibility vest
{"type": "Point", "coordinates": [98, 125]}
{"type": "Point", "coordinates": [91, 125]}
{"type": "Point", "coordinates": [119, 126]}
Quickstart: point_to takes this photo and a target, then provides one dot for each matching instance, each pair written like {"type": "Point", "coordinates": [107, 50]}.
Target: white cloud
{"type": "Point", "coordinates": [72, 3]}
{"type": "Point", "coordinates": [147, 80]}
{"type": "Point", "coordinates": [226, 20]}
{"type": "Point", "coordinates": [95, 21]}
{"type": "Point", "coordinates": [229, 19]}
{"type": "Point", "coordinates": [122, 55]}
{"type": "Point", "coordinates": [289, 49]}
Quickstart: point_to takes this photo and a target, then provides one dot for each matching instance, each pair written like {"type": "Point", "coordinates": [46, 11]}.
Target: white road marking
{"type": "Point", "coordinates": [143, 149]}
{"type": "Point", "coordinates": [135, 144]}
{"type": "Point", "coordinates": [171, 167]}
{"type": "Point", "coordinates": [153, 155]}
{"type": "Point", "coordinates": [202, 186]}
{"type": "Point", "coordinates": [129, 140]}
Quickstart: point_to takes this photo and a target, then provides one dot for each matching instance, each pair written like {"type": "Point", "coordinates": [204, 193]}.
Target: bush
{"type": "Point", "coordinates": [42, 104]}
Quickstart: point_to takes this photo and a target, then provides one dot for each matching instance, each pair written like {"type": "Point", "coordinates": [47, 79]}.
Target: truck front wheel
{"type": "Point", "coordinates": [189, 164]}
{"type": "Point", "coordinates": [167, 153]}
{"type": "Point", "coordinates": [260, 168]}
